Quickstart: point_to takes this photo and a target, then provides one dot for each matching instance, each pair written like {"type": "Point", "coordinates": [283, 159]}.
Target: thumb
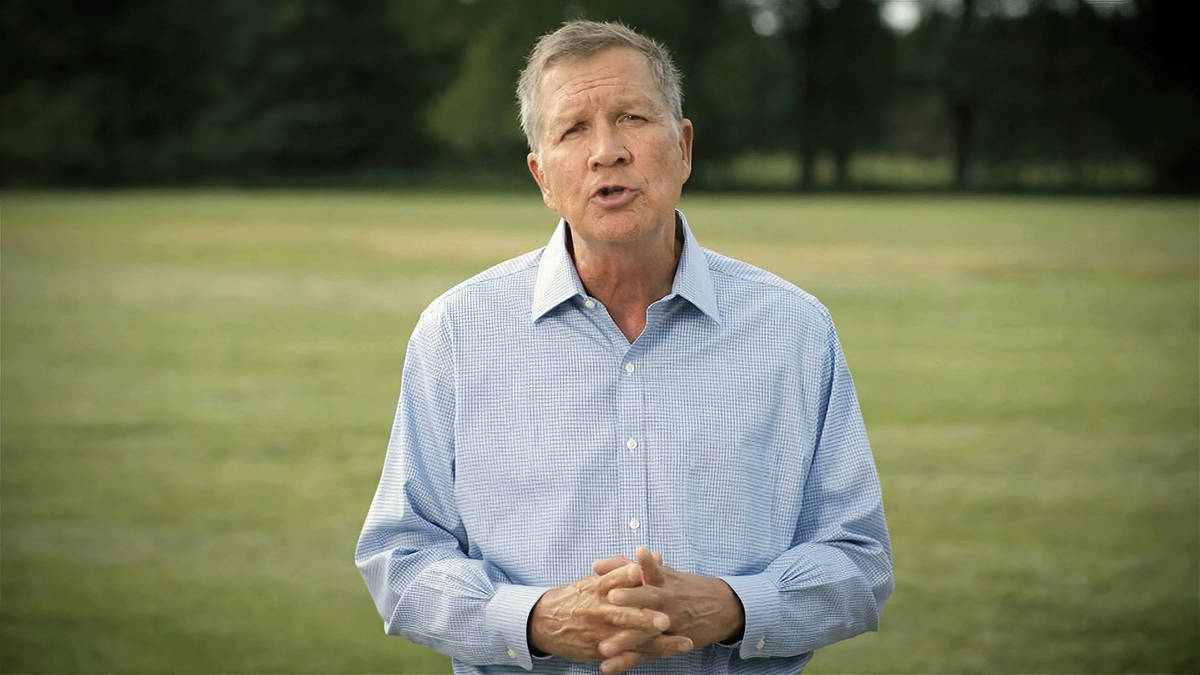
{"type": "Point", "coordinates": [652, 567]}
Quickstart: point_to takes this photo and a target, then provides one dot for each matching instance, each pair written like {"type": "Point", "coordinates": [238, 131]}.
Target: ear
{"type": "Point", "coordinates": [531, 161]}
{"type": "Point", "coordinates": [685, 146]}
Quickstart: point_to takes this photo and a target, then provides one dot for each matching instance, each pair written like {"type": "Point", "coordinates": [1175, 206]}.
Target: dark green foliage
{"type": "Point", "coordinates": [143, 91]}
{"type": "Point", "coordinates": [1064, 84]}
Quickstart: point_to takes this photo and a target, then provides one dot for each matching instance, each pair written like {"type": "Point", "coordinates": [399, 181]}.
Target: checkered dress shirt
{"type": "Point", "coordinates": [531, 438]}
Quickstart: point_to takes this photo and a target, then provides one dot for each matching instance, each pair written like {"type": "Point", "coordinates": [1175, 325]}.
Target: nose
{"type": "Point", "coordinates": [608, 149]}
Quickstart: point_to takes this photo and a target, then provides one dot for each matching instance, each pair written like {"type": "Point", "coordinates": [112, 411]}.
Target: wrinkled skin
{"type": "Point", "coordinates": [702, 609]}
{"type": "Point", "coordinates": [571, 621]}
{"type": "Point", "coordinates": [630, 611]}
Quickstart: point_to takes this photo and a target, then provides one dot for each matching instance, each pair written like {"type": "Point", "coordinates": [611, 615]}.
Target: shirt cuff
{"type": "Point", "coordinates": [508, 618]}
{"type": "Point", "coordinates": [761, 606]}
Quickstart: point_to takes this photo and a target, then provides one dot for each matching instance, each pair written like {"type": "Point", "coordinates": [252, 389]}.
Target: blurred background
{"type": "Point", "coordinates": [220, 220]}
{"type": "Point", "coordinates": [786, 94]}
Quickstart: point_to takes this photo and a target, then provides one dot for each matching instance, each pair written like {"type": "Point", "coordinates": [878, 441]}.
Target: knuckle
{"type": "Point", "coordinates": [630, 620]}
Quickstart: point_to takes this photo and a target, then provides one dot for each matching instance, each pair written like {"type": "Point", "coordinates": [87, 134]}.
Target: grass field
{"type": "Point", "coordinates": [197, 388]}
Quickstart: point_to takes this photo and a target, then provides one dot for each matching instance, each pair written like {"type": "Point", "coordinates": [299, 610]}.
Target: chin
{"type": "Point", "coordinates": [623, 227]}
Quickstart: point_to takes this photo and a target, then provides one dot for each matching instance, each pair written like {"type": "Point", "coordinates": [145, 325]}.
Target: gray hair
{"type": "Point", "coordinates": [577, 40]}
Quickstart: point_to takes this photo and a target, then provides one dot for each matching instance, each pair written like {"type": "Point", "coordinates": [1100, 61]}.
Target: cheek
{"type": "Point", "coordinates": [563, 184]}
{"type": "Point", "coordinates": [563, 195]}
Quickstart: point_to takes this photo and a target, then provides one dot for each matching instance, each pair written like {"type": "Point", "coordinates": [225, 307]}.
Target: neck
{"type": "Point", "coordinates": [628, 277]}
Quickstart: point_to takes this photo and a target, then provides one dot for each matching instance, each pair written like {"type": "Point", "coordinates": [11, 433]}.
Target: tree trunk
{"type": "Point", "coordinates": [963, 123]}
{"type": "Point", "coordinates": [963, 98]}
{"type": "Point", "coordinates": [808, 167]}
{"type": "Point", "coordinates": [841, 161]}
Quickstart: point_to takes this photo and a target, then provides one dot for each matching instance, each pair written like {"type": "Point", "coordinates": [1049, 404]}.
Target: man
{"type": "Point", "coordinates": [623, 450]}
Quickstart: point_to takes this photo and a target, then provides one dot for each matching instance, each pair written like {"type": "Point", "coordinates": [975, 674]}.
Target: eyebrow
{"type": "Point", "coordinates": [560, 117]}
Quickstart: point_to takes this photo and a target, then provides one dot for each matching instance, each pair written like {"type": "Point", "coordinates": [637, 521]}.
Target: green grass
{"type": "Point", "coordinates": [197, 388]}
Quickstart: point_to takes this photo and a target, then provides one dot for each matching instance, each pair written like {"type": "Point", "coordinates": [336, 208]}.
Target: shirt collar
{"type": "Point", "coordinates": [557, 281]}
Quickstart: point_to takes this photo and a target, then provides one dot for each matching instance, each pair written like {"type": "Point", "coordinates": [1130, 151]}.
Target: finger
{"type": "Point", "coordinates": [653, 646]}
{"type": "Point", "coordinates": [658, 557]}
{"type": "Point", "coordinates": [627, 640]}
{"type": "Point", "coordinates": [607, 565]}
{"type": "Point", "coordinates": [622, 577]}
{"type": "Point", "coordinates": [652, 571]}
{"type": "Point", "coordinates": [663, 646]}
{"type": "Point", "coordinates": [650, 597]}
{"type": "Point", "coordinates": [620, 663]}
{"type": "Point", "coordinates": [647, 620]}
{"type": "Point", "coordinates": [660, 647]}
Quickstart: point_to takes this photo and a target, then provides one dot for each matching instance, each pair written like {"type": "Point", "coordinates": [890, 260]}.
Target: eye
{"type": "Point", "coordinates": [631, 117]}
{"type": "Point", "coordinates": [572, 129]}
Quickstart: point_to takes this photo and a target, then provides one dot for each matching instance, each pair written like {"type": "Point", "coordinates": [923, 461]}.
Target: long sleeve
{"type": "Point", "coordinates": [833, 582]}
{"type": "Point", "coordinates": [412, 550]}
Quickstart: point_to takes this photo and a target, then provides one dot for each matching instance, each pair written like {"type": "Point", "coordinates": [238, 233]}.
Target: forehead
{"type": "Point", "coordinates": [615, 74]}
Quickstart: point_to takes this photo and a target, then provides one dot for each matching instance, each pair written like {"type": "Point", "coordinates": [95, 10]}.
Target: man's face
{"type": "Point", "coordinates": [611, 161]}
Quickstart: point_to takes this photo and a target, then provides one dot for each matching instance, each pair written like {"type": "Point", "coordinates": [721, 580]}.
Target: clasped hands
{"type": "Point", "coordinates": [633, 610]}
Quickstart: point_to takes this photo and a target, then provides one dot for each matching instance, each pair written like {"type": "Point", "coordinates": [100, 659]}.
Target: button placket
{"type": "Point", "coordinates": [631, 423]}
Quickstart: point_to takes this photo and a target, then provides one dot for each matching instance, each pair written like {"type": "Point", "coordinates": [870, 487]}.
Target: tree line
{"type": "Point", "coordinates": [119, 92]}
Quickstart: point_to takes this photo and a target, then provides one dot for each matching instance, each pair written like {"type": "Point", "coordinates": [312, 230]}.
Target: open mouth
{"type": "Point", "coordinates": [614, 196]}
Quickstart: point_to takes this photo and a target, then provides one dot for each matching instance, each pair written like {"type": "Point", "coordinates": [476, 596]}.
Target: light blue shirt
{"type": "Point", "coordinates": [531, 438]}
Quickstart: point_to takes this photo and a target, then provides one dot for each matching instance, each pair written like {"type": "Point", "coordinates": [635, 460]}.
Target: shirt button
{"type": "Point", "coordinates": [634, 523]}
{"type": "Point", "coordinates": [513, 655]}
{"type": "Point", "coordinates": [762, 642]}
{"type": "Point", "coordinates": [629, 367]}
{"type": "Point", "coordinates": [631, 444]}
{"type": "Point", "coordinates": [589, 303]}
